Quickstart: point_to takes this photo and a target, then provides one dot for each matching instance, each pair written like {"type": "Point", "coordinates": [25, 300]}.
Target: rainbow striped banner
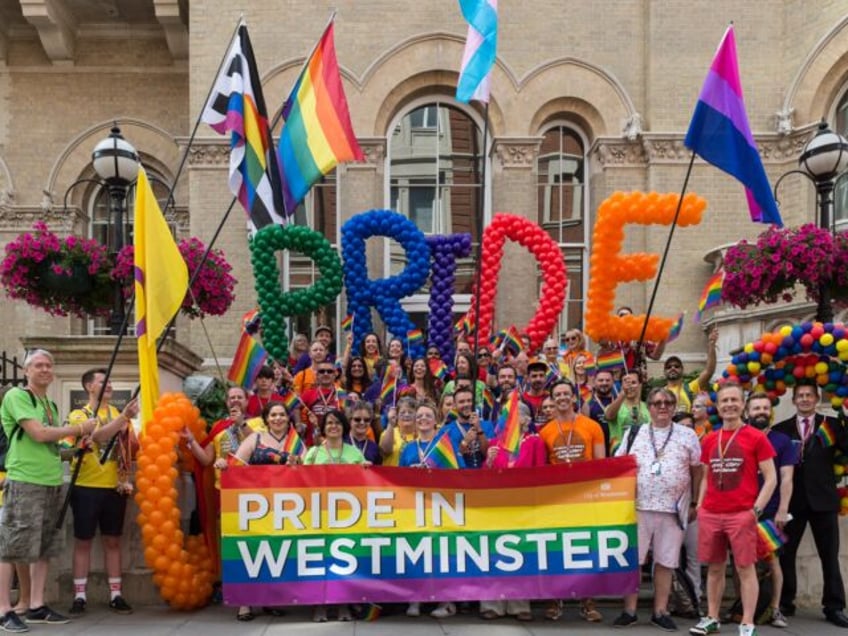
{"type": "Point", "coordinates": [348, 534]}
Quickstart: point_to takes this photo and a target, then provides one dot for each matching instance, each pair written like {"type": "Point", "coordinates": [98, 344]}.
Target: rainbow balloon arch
{"type": "Point", "coordinates": [778, 360]}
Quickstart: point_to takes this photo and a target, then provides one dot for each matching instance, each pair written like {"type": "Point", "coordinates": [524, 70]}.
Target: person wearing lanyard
{"type": "Point", "coordinates": [668, 463]}
{"type": "Point", "coordinates": [730, 502]}
{"type": "Point", "coordinates": [467, 431]}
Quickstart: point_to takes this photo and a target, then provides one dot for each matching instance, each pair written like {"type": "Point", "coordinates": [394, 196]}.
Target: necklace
{"type": "Point", "coordinates": [722, 452]}
{"type": "Point", "coordinates": [334, 459]}
{"type": "Point", "coordinates": [361, 449]}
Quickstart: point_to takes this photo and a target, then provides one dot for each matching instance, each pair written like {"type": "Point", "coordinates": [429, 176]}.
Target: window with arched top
{"type": "Point", "coordinates": [840, 191]}
{"type": "Point", "coordinates": [562, 209]}
{"type": "Point", "coordinates": [435, 178]}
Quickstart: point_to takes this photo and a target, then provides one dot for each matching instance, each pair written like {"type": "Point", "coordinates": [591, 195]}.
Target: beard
{"type": "Point", "coordinates": [761, 422]}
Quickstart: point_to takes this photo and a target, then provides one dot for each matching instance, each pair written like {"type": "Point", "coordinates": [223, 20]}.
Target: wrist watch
{"type": "Point", "coordinates": [757, 512]}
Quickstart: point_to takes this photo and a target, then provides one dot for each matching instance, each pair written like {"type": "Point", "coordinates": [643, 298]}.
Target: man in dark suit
{"type": "Point", "coordinates": [814, 499]}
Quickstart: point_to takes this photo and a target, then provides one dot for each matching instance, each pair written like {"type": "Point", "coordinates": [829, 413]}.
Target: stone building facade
{"type": "Point", "coordinates": [587, 99]}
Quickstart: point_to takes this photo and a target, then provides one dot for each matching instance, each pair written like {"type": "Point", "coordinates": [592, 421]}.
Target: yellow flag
{"type": "Point", "coordinates": [161, 282]}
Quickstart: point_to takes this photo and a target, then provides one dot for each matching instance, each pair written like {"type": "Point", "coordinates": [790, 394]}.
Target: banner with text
{"type": "Point", "coordinates": [348, 534]}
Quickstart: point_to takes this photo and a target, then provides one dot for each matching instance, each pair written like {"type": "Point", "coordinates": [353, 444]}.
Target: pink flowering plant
{"type": "Point", "coordinates": [212, 289]}
{"type": "Point", "coordinates": [768, 270]}
{"type": "Point", "coordinates": [60, 276]}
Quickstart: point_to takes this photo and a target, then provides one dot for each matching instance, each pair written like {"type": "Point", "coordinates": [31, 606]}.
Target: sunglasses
{"type": "Point", "coordinates": [571, 339]}
{"type": "Point", "coordinates": [359, 419]}
{"type": "Point", "coordinates": [662, 403]}
{"type": "Point", "coordinates": [673, 366]}
{"type": "Point", "coordinates": [326, 371]}
{"type": "Point", "coordinates": [485, 355]}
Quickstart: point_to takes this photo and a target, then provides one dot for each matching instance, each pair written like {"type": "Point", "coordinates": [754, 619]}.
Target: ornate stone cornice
{"type": "Point", "coordinates": [517, 152]}
{"type": "Point", "coordinates": [207, 153]}
{"type": "Point", "coordinates": [665, 148]}
{"type": "Point", "coordinates": [21, 218]}
{"type": "Point", "coordinates": [374, 149]}
{"type": "Point", "coordinates": [614, 151]}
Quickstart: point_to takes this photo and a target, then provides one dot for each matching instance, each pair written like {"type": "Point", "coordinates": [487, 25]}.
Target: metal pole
{"type": "Point", "coordinates": [824, 190]}
{"type": "Point", "coordinates": [117, 199]}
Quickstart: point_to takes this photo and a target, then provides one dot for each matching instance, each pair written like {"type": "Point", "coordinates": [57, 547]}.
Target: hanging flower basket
{"type": "Point", "coordinates": [60, 276]}
{"type": "Point", "coordinates": [212, 289]}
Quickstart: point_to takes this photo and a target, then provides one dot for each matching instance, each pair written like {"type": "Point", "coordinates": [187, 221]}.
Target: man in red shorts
{"type": "Point", "coordinates": [730, 502]}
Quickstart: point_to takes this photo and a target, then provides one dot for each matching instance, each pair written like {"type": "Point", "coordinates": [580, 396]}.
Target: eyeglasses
{"type": "Point", "coordinates": [571, 338]}
{"type": "Point", "coordinates": [662, 403]}
{"type": "Point", "coordinates": [326, 371]}
{"type": "Point", "coordinates": [360, 419]}
{"type": "Point", "coordinates": [424, 417]}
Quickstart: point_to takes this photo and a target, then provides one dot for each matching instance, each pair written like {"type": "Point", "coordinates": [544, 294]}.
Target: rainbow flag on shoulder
{"type": "Point", "coordinates": [250, 356]}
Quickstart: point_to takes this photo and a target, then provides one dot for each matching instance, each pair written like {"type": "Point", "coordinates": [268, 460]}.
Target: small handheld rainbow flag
{"type": "Point", "coordinates": [293, 444]}
{"type": "Point", "coordinates": [610, 360]}
{"type": "Point", "coordinates": [251, 321]}
{"type": "Point", "coordinates": [509, 423]}
{"type": "Point", "coordinates": [347, 323]}
{"type": "Point", "coordinates": [496, 339]}
{"type": "Point", "coordinates": [250, 356]}
{"type": "Point", "coordinates": [442, 455]}
{"type": "Point", "coordinates": [512, 341]}
{"type": "Point", "coordinates": [462, 325]}
{"type": "Point", "coordinates": [389, 384]}
{"type": "Point", "coordinates": [676, 328]}
{"type": "Point", "coordinates": [826, 434]}
{"type": "Point", "coordinates": [414, 337]}
{"type": "Point", "coordinates": [488, 400]}
{"type": "Point", "coordinates": [372, 613]}
{"type": "Point", "coordinates": [291, 400]}
{"type": "Point", "coordinates": [770, 535]}
{"type": "Point", "coordinates": [438, 368]}
{"type": "Point", "coordinates": [341, 398]}
{"type": "Point", "coordinates": [711, 295]}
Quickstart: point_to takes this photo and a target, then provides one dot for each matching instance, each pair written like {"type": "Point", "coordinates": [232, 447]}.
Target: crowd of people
{"type": "Point", "coordinates": [704, 485]}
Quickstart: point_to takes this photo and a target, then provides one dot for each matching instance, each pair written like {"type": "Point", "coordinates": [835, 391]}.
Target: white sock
{"type": "Point", "coordinates": [79, 587]}
{"type": "Point", "coordinates": [114, 587]}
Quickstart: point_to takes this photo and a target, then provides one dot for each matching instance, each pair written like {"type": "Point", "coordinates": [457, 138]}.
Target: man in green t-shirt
{"type": "Point", "coordinates": [33, 488]}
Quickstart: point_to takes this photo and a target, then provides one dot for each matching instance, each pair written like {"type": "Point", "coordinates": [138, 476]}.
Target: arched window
{"type": "Point", "coordinates": [435, 178]}
{"type": "Point", "coordinates": [561, 182]}
{"type": "Point", "coordinates": [840, 192]}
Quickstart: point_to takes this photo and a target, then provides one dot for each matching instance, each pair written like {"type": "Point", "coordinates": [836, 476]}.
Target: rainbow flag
{"type": "Point", "coordinates": [442, 455]}
{"type": "Point", "coordinates": [509, 424]}
{"type": "Point", "coordinates": [347, 323]}
{"type": "Point", "coordinates": [512, 341]}
{"type": "Point", "coordinates": [389, 384]}
{"type": "Point", "coordinates": [438, 368]}
{"type": "Point", "coordinates": [341, 397]}
{"type": "Point", "coordinates": [478, 58]}
{"type": "Point", "coordinates": [610, 360]}
{"type": "Point", "coordinates": [826, 434]}
{"type": "Point", "coordinates": [711, 294]}
{"type": "Point", "coordinates": [317, 134]}
{"type": "Point", "coordinates": [467, 529]}
{"type": "Point", "coordinates": [488, 400]}
{"type": "Point", "coordinates": [676, 328]}
{"type": "Point", "coordinates": [250, 356]}
{"type": "Point", "coordinates": [251, 321]}
{"type": "Point", "coordinates": [293, 444]}
{"type": "Point", "coordinates": [236, 107]}
{"type": "Point", "coordinates": [291, 401]}
{"type": "Point", "coordinates": [414, 337]}
{"type": "Point", "coordinates": [721, 135]}
{"type": "Point", "coordinates": [372, 613]}
{"type": "Point", "coordinates": [770, 535]}
{"type": "Point", "coordinates": [463, 325]}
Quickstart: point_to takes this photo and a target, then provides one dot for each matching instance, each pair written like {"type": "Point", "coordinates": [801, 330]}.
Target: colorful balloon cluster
{"type": "Point", "coordinates": [551, 262]}
{"type": "Point", "coordinates": [385, 293]}
{"type": "Point", "coordinates": [182, 566]}
{"type": "Point", "coordinates": [444, 251]}
{"type": "Point", "coordinates": [275, 305]}
{"type": "Point", "coordinates": [608, 267]}
{"type": "Point", "coordinates": [779, 359]}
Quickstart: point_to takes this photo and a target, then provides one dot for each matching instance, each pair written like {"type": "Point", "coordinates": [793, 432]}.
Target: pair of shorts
{"type": "Point", "coordinates": [661, 533]}
{"type": "Point", "coordinates": [28, 530]}
{"type": "Point", "coordinates": [718, 530]}
{"type": "Point", "coordinates": [94, 508]}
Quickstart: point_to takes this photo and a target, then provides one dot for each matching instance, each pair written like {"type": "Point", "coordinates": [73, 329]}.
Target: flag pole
{"type": "Point", "coordinates": [481, 207]}
{"type": "Point", "coordinates": [662, 262]}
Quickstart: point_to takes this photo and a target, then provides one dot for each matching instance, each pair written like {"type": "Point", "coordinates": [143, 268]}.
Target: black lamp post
{"type": "Point", "coordinates": [824, 157]}
{"type": "Point", "coordinates": [116, 162]}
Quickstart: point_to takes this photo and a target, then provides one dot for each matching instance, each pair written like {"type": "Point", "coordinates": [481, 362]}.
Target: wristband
{"type": "Point", "coordinates": [757, 512]}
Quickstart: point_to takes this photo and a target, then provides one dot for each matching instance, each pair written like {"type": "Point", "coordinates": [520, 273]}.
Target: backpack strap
{"type": "Point", "coordinates": [632, 432]}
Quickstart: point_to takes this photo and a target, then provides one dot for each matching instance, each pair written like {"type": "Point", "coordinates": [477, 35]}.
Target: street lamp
{"type": "Point", "coordinates": [824, 157]}
{"type": "Point", "coordinates": [116, 162]}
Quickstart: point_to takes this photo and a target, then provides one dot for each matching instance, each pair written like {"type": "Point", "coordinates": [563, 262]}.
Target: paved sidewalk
{"type": "Point", "coordinates": [220, 621]}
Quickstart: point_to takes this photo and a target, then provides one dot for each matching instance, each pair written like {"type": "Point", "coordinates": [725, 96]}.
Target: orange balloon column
{"type": "Point", "coordinates": [182, 566]}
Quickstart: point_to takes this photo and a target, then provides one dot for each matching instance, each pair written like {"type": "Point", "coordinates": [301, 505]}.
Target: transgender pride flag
{"type": "Point", "coordinates": [720, 134]}
{"type": "Point", "coordinates": [480, 47]}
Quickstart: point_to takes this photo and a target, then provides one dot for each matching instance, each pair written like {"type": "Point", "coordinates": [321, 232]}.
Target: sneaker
{"type": "Point", "coordinates": [444, 610]}
{"type": "Point", "coordinates": [413, 610]}
{"type": "Point", "coordinates": [120, 606]}
{"type": "Point", "coordinates": [344, 614]}
{"type": "Point", "coordinates": [664, 622]}
{"type": "Point", "coordinates": [777, 618]}
{"type": "Point", "coordinates": [77, 607]}
{"type": "Point", "coordinates": [747, 630]}
{"type": "Point", "coordinates": [319, 614]}
{"type": "Point", "coordinates": [12, 623]}
{"type": "Point", "coordinates": [588, 612]}
{"type": "Point", "coordinates": [707, 625]}
{"type": "Point", "coordinates": [625, 620]}
{"type": "Point", "coordinates": [44, 614]}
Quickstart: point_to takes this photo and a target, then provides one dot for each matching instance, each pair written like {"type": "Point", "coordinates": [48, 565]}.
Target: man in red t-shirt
{"type": "Point", "coordinates": [730, 502]}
